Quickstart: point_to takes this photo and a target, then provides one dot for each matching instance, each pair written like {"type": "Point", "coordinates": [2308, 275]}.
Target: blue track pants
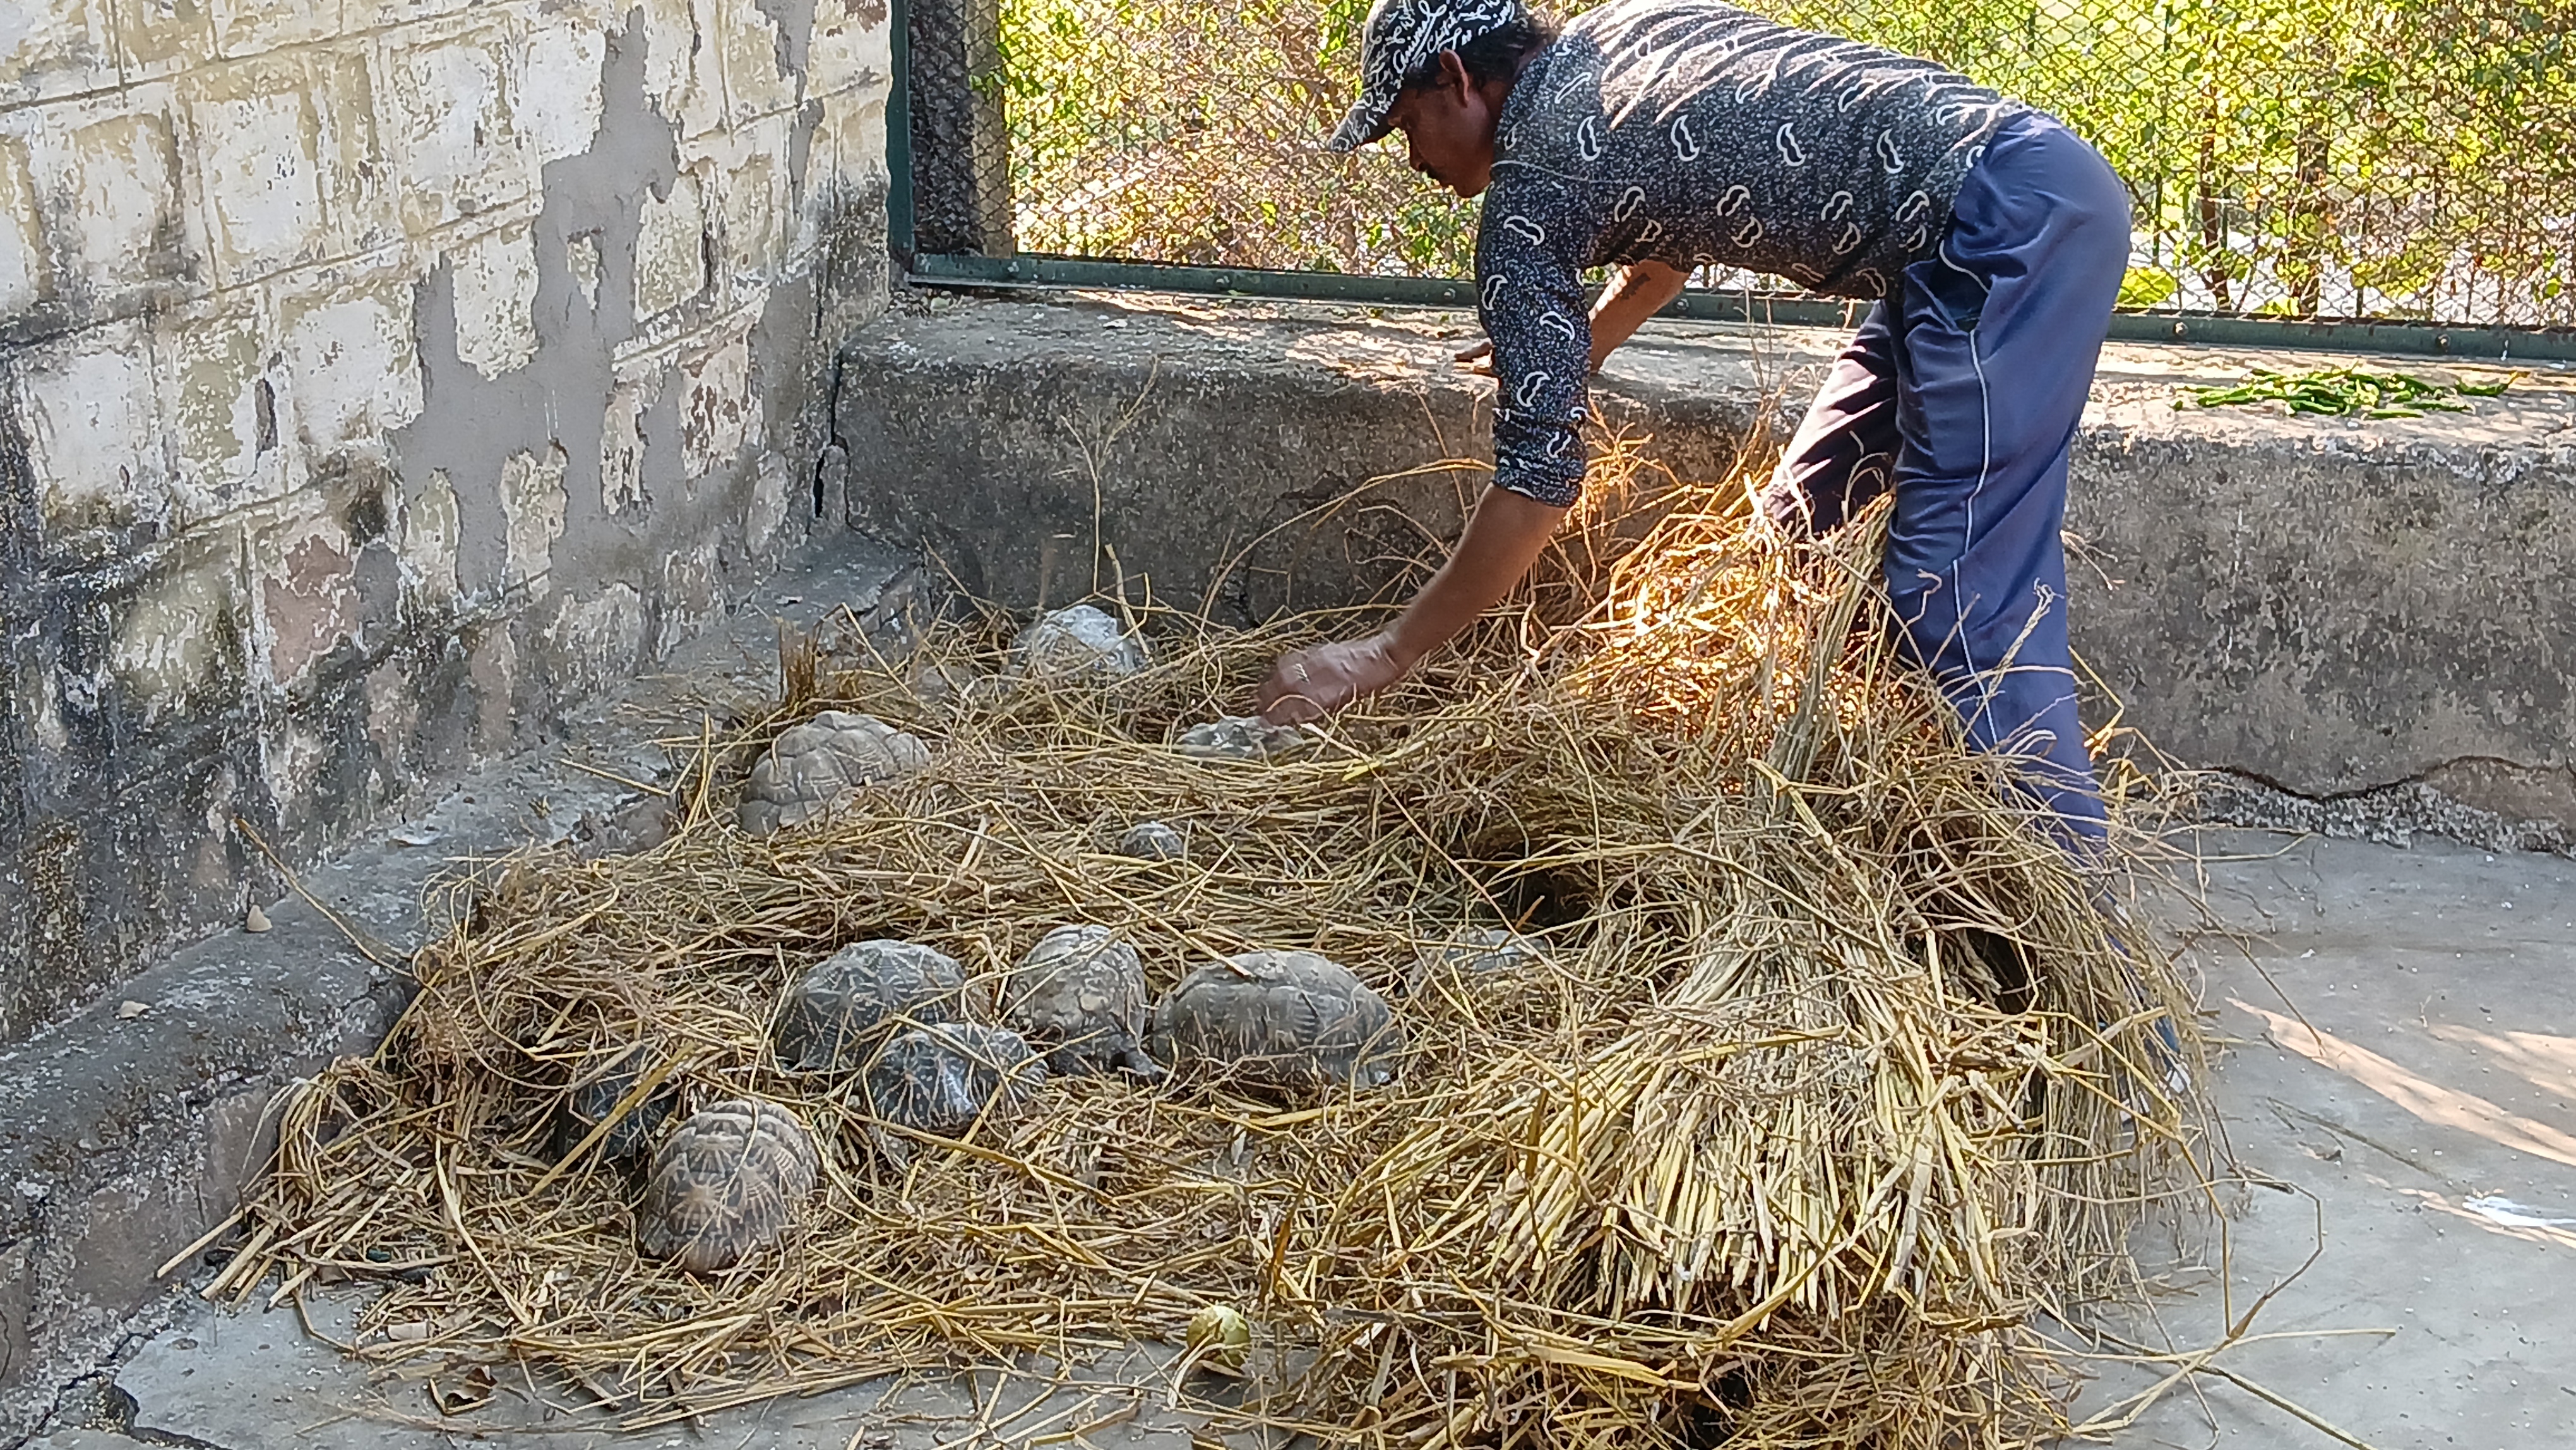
{"type": "Point", "coordinates": [1961, 393]}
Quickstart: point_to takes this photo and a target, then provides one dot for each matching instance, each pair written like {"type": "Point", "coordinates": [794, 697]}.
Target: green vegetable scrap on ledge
{"type": "Point", "coordinates": [2348, 390]}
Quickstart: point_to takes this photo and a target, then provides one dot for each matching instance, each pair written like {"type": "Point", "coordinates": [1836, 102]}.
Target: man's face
{"type": "Point", "coordinates": [1448, 128]}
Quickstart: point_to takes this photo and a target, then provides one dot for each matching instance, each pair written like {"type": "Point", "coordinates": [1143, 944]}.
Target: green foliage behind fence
{"type": "Point", "coordinates": [2378, 158]}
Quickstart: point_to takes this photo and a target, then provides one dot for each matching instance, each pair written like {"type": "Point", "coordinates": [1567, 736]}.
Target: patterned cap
{"type": "Point", "coordinates": [1401, 36]}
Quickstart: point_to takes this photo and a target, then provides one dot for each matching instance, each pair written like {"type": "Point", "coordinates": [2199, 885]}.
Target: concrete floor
{"type": "Point", "coordinates": [2400, 1094]}
{"type": "Point", "coordinates": [256, 1379]}
{"type": "Point", "coordinates": [2398, 1090]}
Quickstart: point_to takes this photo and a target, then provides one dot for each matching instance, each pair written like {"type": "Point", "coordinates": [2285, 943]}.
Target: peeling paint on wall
{"type": "Point", "coordinates": [430, 531]}
{"type": "Point", "coordinates": [221, 406]}
{"type": "Point", "coordinates": [581, 257]}
{"type": "Point", "coordinates": [598, 639]}
{"type": "Point", "coordinates": [91, 413]}
{"type": "Point", "coordinates": [175, 645]}
{"type": "Point", "coordinates": [22, 242]}
{"type": "Point", "coordinates": [559, 91]}
{"type": "Point", "coordinates": [621, 444]}
{"type": "Point", "coordinates": [532, 503]}
{"type": "Point", "coordinates": [308, 600]}
{"type": "Point", "coordinates": [355, 363]}
{"type": "Point", "coordinates": [671, 251]}
{"type": "Point", "coordinates": [496, 295]}
{"type": "Point", "coordinates": [721, 415]}
{"type": "Point", "coordinates": [768, 502]}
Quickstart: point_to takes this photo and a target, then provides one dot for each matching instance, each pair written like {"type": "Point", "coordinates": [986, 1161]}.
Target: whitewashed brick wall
{"type": "Point", "coordinates": [198, 197]}
{"type": "Point", "coordinates": [222, 227]}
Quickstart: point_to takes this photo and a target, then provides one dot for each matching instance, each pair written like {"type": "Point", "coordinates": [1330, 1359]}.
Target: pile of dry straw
{"type": "Point", "coordinates": [1763, 1148]}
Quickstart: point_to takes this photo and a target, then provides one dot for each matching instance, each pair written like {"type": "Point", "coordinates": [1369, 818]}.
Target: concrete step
{"type": "Point", "coordinates": [258, 1380]}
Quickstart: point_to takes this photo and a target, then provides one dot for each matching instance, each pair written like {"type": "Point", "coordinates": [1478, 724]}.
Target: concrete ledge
{"type": "Point", "coordinates": [2324, 606]}
{"type": "Point", "coordinates": [1225, 452]}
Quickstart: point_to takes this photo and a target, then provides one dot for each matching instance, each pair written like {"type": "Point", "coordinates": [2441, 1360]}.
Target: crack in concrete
{"type": "Point", "coordinates": [123, 1408]}
{"type": "Point", "coordinates": [2290, 1117]}
{"type": "Point", "coordinates": [2422, 777]}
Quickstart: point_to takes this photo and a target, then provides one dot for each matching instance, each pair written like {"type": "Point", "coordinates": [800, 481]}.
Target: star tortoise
{"type": "Point", "coordinates": [944, 1078]}
{"type": "Point", "coordinates": [725, 1184]}
{"type": "Point", "coordinates": [1287, 1021]}
{"type": "Point", "coordinates": [843, 1006]}
{"type": "Point", "coordinates": [1153, 841]}
{"type": "Point", "coordinates": [815, 765]}
{"type": "Point", "coordinates": [597, 1091]}
{"type": "Point", "coordinates": [1079, 997]}
{"type": "Point", "coordinates": [1082, 643]}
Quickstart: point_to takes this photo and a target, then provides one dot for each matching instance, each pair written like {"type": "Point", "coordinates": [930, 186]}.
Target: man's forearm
{"type": "Point", "coordinates": [1500, 543]}
{"type": "Point", "coordinates": [1639, 291]}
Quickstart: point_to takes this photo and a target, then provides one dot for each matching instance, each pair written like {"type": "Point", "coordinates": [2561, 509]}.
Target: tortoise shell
{"type": "Point", "coordinates": [1079, 997]}
{"type": "Point", "coordinates": [942, 1079]}
{"type": "Point", "coordinates": [1083, 642]}
{"type": "Point", "coordinates": [726, 1183]}
{"type": "Point", "coordinates": [843, 1005]}
{"type": "Point", "coordinates": [1153, 841]}
{"type": "Point", "coordinates": [814, 765]}
{"type": "Point", "coordinates": [1242, 737]}
{"type": "Point", "coordinates": [596, 1093]}
{"type": "Point", "coordinates": [1288, 1021]}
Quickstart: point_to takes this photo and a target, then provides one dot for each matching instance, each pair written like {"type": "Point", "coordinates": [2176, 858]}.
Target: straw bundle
{"type": "Point", "coordinates": [1774, 1142]}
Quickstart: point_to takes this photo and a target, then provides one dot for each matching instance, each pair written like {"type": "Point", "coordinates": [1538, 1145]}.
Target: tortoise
{"type": "Point", "coordinates": [632, 827]}
{"type": "Point", "coordinates": [1241, 737]}
{"type": "Point", "coordinates": [840, 1008]}
{"type": "Point", "coordinates": [1288, 1021]}
{"type": "Point", "coordinates": [813, 766]}
{"type": "Point", "coordinates": [944, 1077]}
{"type": "Point", "coordinates": [1153, 841]}
{"type": "Point", "coordinates": [1079, 996]}
{"type": "Point", "coordinates": [726, 1183]}
{"type": "Point", "coordinates": [1082, 642]}
{"type": "Point", "coordinates": [596, 1094]}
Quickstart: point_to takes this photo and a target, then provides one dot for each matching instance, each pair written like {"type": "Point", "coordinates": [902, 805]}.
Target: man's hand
{"type": "Point", "coordinates": [1502, 539]}
{"type": "Point", "coordinates": [1311, 683]}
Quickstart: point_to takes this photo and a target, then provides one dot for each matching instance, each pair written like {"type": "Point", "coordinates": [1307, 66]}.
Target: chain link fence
{"type": "Point", "coordinates": [2377, 159]}
{"type": "Point", "coordinates": [961, 142]}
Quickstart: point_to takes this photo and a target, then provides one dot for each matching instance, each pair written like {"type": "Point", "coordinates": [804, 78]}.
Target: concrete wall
{"type": "Point", "coordinates": [2369, 615]}
{"type": "Point", "coordinates": [2338, 616]}
{"type": "Point", "coordinates": [1250, 460]}
{"type": "Point", "coordinates": [376, 376]}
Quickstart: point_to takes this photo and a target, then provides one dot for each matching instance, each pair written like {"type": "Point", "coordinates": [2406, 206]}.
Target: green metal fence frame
{"type": "Point", "coordinates": [898, 114]}
{"type": "Point", "coordinates": [1030, 271]}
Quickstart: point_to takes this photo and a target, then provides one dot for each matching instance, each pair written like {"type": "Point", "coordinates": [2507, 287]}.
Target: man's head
{"type": "Point", "coordinates": [1440, 70]}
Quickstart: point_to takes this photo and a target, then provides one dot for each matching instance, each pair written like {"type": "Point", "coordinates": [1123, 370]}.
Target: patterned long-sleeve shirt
{"type": "Point", "coordinates": [1691, 133]}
